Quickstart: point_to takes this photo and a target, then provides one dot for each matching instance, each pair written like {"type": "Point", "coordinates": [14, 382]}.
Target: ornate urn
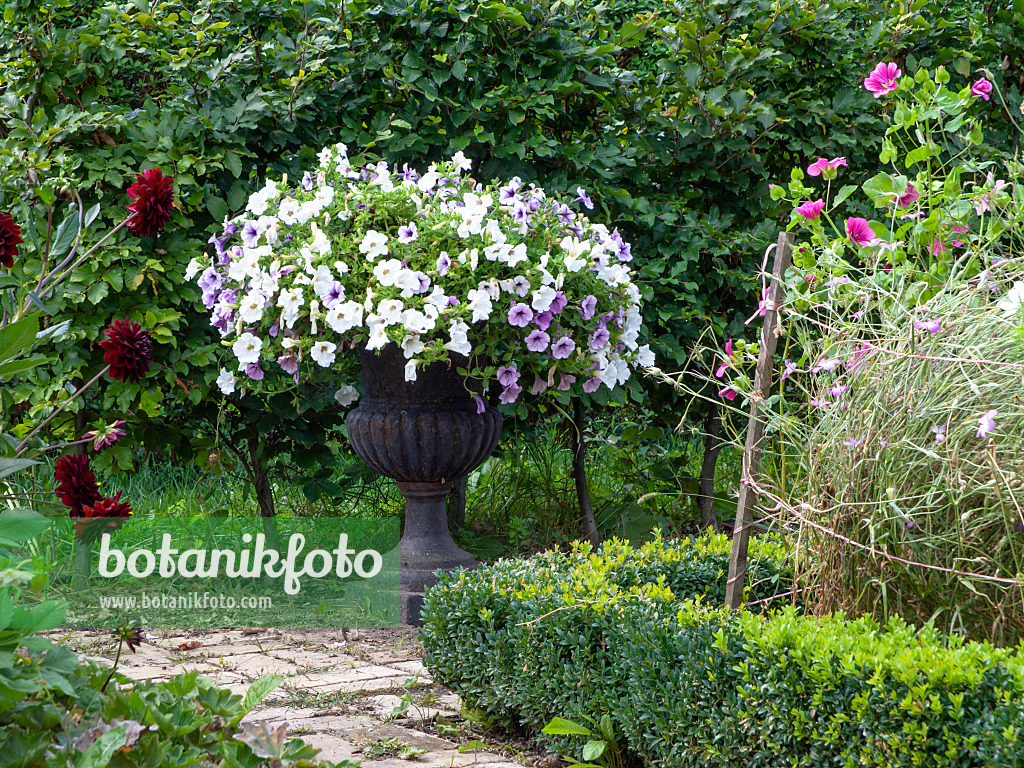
{"type": "Point", "coordinates": [425, 434]}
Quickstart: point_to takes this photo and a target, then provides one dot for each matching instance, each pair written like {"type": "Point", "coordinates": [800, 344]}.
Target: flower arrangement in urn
{"type": "Point", "coordinates": [539, 297]}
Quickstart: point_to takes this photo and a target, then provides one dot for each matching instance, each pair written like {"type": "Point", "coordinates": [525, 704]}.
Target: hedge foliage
{"type": "Point", "coordinates": [674, 114]}
{"type": "Point", "coordinates": [627, 633]}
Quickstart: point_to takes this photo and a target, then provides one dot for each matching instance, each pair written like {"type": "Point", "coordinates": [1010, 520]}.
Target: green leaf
{"type": "Point", "coordinates": [9, 466]}
{"type": "Point", "coordinates": [99, 754]}
{"type": "Point", "coordinates": [18, 525]}
{"type": "Point", "coordinates": [257, 692]}
{"type": "Point", "coordinates": [917, 155]}
{"type": "Point", "coordinates": [593, 749]}
{"type": "Point", "coordinates": [25, 364]}
{"type": "Point", "coordinates": [844, 193]}
{"type": "Point", "coordinates": [97, 291]}
{"type": "Point", "coordinates": [39, 303]}
{"type": "Point", "coordinates": [64, 237]}
{"type": "Point", "coordinates": [17, 338]}
{"type": "Point", "coordinates": [217, 207]}
{"type": "Point", "coordinates": [90, 215]}
{"type": "Point", "coordinates": [559, 726]}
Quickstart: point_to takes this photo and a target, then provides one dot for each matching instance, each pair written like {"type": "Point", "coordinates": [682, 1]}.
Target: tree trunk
{"type": "Point", "coordinates": [579, 472]}
{"type": "Point", "coordinates": [706, 489]}
{"type": "Point", "coordinates": [260, 478]}
{"type": "Point", "coordinates": [457, 506]}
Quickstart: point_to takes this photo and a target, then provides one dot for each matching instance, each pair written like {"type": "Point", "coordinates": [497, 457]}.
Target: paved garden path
{"type": "Point", "coordinates": [361, 695]}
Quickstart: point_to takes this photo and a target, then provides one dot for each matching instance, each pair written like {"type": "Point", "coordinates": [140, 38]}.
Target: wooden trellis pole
{"type": "Point", "coordinates": [755, 426]}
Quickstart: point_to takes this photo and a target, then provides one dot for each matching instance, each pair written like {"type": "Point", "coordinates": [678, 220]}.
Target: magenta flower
{"type": "Point", "coordinates": [537, 341]}
{"type": "Point", "coordinates": [823, 166]}
{"type": "Point", "coordinates": [932, 326]}
{"type": "Point", "coordinates": [562, 348]}
{"type": "Point", "coordinates": [858, 230]}
{"type": "Point", "coordinates": [811, 209]}
{"type": "Point", "coordinates": [727, 361]}
{"type": "Point", "coordinates": [728, 393]}
{"type": "Point", "coordinates": [982, 88]}
{"type": "Point", "coordinates": [936, 247]}
{"type": "Point", "coordinates": [908, 198]}
{"type": "Point", "coordinates": [883, 79]}
{"type": "Point", "coordinates": [826, 364]}
{"type": "Point", "coordinates": [987, 423]}
{"type": "Point", "coordinates": [520, 315]}
{"type": "Point", "coordinates": [105, 436]}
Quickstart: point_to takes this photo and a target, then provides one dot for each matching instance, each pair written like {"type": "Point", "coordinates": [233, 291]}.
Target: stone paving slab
{"type": "Point", "coordinates": [336, 695]}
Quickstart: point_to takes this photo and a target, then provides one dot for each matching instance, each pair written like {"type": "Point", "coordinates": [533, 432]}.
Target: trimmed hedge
{"type": "Point", "coordinates": [629, 633]}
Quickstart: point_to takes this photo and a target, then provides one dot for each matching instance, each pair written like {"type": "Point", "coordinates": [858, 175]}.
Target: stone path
{"type": "Point", "coordinates": [359, 696]}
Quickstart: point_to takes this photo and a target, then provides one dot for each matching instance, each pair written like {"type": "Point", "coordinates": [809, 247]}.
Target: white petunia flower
{"type": "Point", "coordinates": [247, 348]}
{"type": "Point", "coordinates": [389, 311]}
{"type": "Point", "coordinates": [410, 370]}
{"type": "Point", "coordinates": [480, 304]}
{"type": "Point", "coordinates": [387, 271]}
{"type": "Point", "coordinates": [226, 381]}
{"type": "Point", "coordinates": [374, 244]}
{"type": "Point", "coordinates": [542, 298]}
{"type": "Point", "coordinates": [346, 395]}
{"type": "Point", "coordinates": [251, 309]}
{"type": "Point", "coordinates": [289, 211]}
{"type": "Point", "coordinates": [378, 337]}
{"type": "Point", "coordinates": [323, 353]}
{"type": "Point", "coordinates": [194, 268]}
{"type": "Point", "coordinates": [644, 356]}
{"type": "Point", "coordinates": [462, 163]}
{"type": "Point", "coordinates": [412, 346]}
{"type": "Point", "coordinates": [320, 242]}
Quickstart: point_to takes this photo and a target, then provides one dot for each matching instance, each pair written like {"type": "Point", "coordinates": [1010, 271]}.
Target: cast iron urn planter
{"type": "Point", "coordinates": [425, 434]}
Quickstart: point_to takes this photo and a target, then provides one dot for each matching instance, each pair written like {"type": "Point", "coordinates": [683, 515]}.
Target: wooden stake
{"type": "Point", "coordinates": [755, 426]}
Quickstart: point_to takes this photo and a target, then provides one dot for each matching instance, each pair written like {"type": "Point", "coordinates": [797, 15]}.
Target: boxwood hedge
{"type": "Point", "coordinates": [632, 633]}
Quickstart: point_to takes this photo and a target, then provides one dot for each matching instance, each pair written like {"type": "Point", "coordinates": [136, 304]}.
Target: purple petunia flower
{"type": "Point", "coordinates": [565, 381]}
{"type": "Point", "coordinates": [288, 363]}
{"type": "Point", "coordinates": [537, 341]}
{"type": "Point", "coordinates": [408, 233]}
{"type": "Point", "coordinates": [563, 212]}
{"type": "Point", "coordinates": [558, 303]}
{"type": "Point", "coordinates": [539, 385]}
{"type": "Point", "coordinates": [333, 295]}
{"type": "Point", "coordinates": [581, 197]}
{"type": "Point", "coordinates": [409, 174]}
{"type": "Point", "coordinates": [543, 320]}
{"type": "Point", "coordinates": [250, 234]}
{"type": "Point", "coordinates": [510, 194]}
{"type": "Point", "coordinates": [307, 184]}
{"type": "Point", "coordinates": [507, 375]}
{"type": "Point", "coordinates": [520, 315]}
{"type": "Point", "coordinates": [562, 348]}
{"type": "Point", "coordinates": [480, 406]}
{"type": "Point", "coordinates": [599, 338]}
{"type": "Point", "coordinates": [510, 393]}
{"type": "Point", "coordinates": [444, 263]}
{"type": "Point", "coordinates": [254, 372]}
{"type": "Point", "coordinates": [588, 306]}
{"type": "Point", "coordinates": [591, 385]}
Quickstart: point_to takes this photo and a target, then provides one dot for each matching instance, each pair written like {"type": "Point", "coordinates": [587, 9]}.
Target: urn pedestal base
{"type": "Point", "coordinates": [425, 434]}
{"type": "Point", "coordinates": [427, 546]}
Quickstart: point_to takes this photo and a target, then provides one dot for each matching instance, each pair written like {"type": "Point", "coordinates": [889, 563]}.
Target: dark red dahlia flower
{"type": "Point", "coordinates": [152, 197]}
{"type": "Point", "coordinates": [76, 483]}
{"type": "Point", "coordinates": [103, 516]}
{"type": "Point", "coordinates": [108, 507]}
{"type": "Point", "coordinates": [128, 350]}
{"type": "Point", "coordinates": [10, 236]}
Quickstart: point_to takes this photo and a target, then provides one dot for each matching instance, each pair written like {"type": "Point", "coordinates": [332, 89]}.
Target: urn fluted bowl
{"type": "Point", "coordinates": [425, 434]}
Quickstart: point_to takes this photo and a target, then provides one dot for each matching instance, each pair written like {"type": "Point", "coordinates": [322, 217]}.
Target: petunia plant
{"type": "Point", "coordinates": [539, 297]}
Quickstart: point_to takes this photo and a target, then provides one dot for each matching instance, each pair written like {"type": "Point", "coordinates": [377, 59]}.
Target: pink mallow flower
{"type": "Point", "coordinates": [105, 436]}
{"type": "Point", "coordinates": [987, 423]}
{"type": "Point", "coordinates": [858, 230]}
{"type": "Point", "coordinates": [982, 88]}
{"type": "Point", "coordinates": [883, 79]}
{"type": "Point", "coordinates": [908, 198]}
{"type": "Point", "coordinates": [823, 166]}
{"type": "Point", "coordinates": [811, 209]}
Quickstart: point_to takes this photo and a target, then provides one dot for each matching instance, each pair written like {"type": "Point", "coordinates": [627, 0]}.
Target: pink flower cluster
{"type": "Point", "coordinates": [884, 79]}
